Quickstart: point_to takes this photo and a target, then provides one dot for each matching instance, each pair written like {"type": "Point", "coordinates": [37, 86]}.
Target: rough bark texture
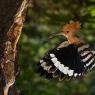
{"type": "Point", "coordinates": [12, 14]}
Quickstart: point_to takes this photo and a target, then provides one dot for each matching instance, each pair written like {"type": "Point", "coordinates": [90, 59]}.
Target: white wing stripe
{"type": "Point", "coordinates": [57, 64]}
{"type": "Point", "coordinates": [52, 55]}
{"type": "Point", "coordinates": [85, 53]}
{"type": "Point", "coordinates": [92, 66]}
{"type": "Point", "coordinates": [41, 61]}
{"type": "Point", "coordinates": [70, 72]}
{"type": "Point", "coordinates": [75, 75]}
{"type": "Point", "coordinates": [44, 66]}
{"type": "Point", "coordinates": [85, 59]}
{"type": "Point", "coordinates": [63, 69]}
{"type": "Point", "coordinates": [83, 47]}
{"type": "Point", "coordinates": [90, 62]}
{"type": "Point", "coordinates": [93, 52]}
{"type": "Point", "coordinates": [54, 60]}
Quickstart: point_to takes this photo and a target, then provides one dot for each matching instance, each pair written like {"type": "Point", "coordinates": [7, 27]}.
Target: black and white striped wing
{"type": "Point", "coordinates": [62, 62]}
{"type": "Point", "coordinates": [87, 56]}
{"type": "Point", "coordinates": [67, 61]}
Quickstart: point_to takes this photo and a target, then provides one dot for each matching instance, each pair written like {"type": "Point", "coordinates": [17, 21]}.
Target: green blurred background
{"type": "Point", "coordinates": [43, 18]}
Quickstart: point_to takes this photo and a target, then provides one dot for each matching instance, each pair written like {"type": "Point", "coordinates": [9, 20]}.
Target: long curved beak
{"type": "Point", "coordinates": [56, 34]}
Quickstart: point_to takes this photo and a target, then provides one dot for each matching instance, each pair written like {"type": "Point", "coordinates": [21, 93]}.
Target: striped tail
{"type": "Point", "coordinates": [87, 56]}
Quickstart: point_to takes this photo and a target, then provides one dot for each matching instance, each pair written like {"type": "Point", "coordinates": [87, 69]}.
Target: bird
{"type": "Point", "coordinates": [71, 59]}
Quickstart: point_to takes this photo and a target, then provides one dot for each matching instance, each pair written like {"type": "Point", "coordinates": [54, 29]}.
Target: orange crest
{"type": "Point", "coordinates": [72, 26]}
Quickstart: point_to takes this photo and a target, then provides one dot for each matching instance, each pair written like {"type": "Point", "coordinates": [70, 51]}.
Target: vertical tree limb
{"type": "Point", "coordinates": [10, 31]}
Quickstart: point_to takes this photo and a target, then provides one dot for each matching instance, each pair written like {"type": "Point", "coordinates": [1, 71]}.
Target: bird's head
{"type": "Point", "coordinates": [69, 29]}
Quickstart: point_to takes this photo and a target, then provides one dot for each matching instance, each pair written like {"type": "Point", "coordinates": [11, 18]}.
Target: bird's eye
{"type": "Point", "coordinates": [67, 31]}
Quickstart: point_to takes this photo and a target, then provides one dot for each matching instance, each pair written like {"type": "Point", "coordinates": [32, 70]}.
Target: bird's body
{"type": "Point", "coordinates": [71, 59]}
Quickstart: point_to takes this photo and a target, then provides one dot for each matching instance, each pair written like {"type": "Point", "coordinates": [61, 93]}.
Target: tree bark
{"type": "Point", "coordinates": [12, 14]}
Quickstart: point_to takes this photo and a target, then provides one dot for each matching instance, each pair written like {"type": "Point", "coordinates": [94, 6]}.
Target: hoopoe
{"type": "Point", "coordinates": [71, 59]}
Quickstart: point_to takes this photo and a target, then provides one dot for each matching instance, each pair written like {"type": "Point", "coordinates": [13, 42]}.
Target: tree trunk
{"type": "Point", "coordinates": [12, 14]}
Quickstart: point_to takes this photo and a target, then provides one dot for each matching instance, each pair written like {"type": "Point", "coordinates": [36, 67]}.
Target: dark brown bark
{"type": "Point", "coordinates": [12, 14]}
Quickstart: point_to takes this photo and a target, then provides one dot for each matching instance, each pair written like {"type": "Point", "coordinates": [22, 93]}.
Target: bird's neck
{"type": "Point", "coordinates": [73, 40]}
